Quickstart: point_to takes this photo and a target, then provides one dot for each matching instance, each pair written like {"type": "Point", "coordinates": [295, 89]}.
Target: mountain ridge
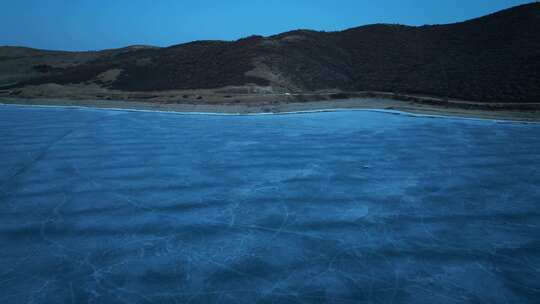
{"type": "Point", "coordinates": [493, 58]}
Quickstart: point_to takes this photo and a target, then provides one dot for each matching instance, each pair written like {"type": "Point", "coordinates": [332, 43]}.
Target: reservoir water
{"type": "Point", "coordinates": [106, 206]}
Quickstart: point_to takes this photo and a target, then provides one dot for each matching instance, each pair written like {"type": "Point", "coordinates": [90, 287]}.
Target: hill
{"type": "Point", "coordinates": [495, 58]}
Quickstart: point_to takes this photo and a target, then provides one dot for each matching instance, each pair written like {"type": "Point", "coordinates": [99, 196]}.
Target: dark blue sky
{"type": "Point", "coordinates": [100, 24]}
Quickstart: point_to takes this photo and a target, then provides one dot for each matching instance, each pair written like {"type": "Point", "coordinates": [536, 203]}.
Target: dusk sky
{"type": "Point", "coordinates": [101, 24]}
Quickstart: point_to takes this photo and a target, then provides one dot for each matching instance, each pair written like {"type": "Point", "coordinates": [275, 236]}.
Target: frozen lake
{"type": "Point", "coordinates": [103, 206]}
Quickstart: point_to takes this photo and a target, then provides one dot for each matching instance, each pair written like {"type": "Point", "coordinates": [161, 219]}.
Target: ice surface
{"type": "Point", "coordinates": [100, 206]}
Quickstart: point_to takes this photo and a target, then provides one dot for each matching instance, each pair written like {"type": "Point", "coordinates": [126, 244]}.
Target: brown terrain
{"type": "Point", "coordinates": [485, 65]}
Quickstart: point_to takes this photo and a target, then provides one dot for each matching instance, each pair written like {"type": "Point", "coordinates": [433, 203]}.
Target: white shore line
{"type": "Point", "coordinates": [394, 112]}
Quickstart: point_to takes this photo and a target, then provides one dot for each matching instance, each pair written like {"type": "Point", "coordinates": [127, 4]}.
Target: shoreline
{"type": "Point", "coordinates": [252, 108]}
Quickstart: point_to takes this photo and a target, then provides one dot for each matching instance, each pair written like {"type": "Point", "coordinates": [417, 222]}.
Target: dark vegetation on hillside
{"type": "Point", "coordinates": [495, 58]}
